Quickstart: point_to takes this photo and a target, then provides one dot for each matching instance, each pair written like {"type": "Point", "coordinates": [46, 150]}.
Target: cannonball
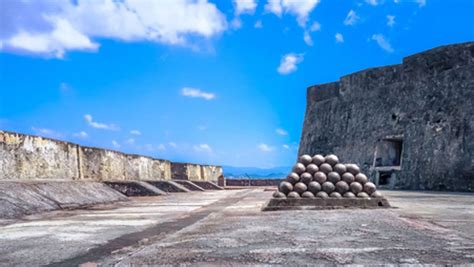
{"type": "Point", "coordinates": [369, 188]}
{"type": "Point", "coordinates": [314, 187]}
{"type": "Point", "coordinates": [353, 168]}
{"type": "Point", "coordinates": [319, 177]}
{"type": "Point", "coordinates": [334, 177]}
{"type": "Point", "coordinates": [348, 177]}
{"type": "Point", "coordinates": [363, 195]}
{"type": "Point", "coordinates": [331, 159]}
{"type": "Point", "coordinates": [340, 168]}
{"type": "Point", "coordinates": [326, 168]}
{"type": "Point", "coordinates": [312, 168]}
{"type": "Point", "coordinates": [335, 195]}
{"type": "Point", "coordinates": [278, 194]}
{"type": "Point", "coordinates": [306, 177]}
{"type": "Point", "coordinates": [318, 160]}
{"type": "Point", "coordinates": [299, 168]}
{"type": "Point", "coordinates": [307, 194]}
{"type": "Point", "coordinates": [349, 195]}
{"type": "Point", "coordinates": [356, 187]}
{"type": "Point", "coordinates": [361, 178]}
{"type": "Point", "coordinates": [285, 187]}
{"type": "Point", "coordinates": [342, 187]}
{"type": "Point", "coordinates": [322, 194]}
{"type": "Point", "coordinates": [376, 194]}
{"type": "Point", "coordinates": [293, 178]}
{"type": "Point", "coordinates": [328, 187]}
{"type": "Point", "coordinates": [300, 188]}
{"type": "Point", "coordinates": [305, 159]}
{"type": "Point", "coordinates": [293, 194]}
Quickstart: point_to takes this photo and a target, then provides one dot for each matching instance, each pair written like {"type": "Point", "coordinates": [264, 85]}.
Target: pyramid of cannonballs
{"type": "Point", "coordinates": [325, 177]}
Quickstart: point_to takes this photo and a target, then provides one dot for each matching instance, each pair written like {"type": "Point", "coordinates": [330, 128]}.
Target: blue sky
{"type": "Point", "coordinates": [221, 82]}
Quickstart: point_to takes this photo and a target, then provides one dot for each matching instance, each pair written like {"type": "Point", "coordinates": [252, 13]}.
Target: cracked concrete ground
{"type": "Point", "coordinates": [226, 228]}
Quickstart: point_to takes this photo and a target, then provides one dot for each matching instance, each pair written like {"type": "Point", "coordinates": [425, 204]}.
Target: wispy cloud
{"type": "Point", "coordinates": [281, 131]}
{"type": "Point", "coordinates": [351, 18]}
{"type": "Point", "coordinates": [339, 38]}
{"type": "Point", "coordinates": [286, 146]}
{"type": "Point", "coordinates": [244, 6]}
{"type": "Point", "coordinates": [81, 134]}
{"type": "Point", "coordinates": [46, 132]}
{"type": "Point", "coordinates": [307, 33]}
{"type": "Point", "coordinates": [54, 28]}
{"type": "Point", "coordinates": [289, 62]}
{"type": "Point", "coordinates": [197, 93]}
{"type": "Point", "coordinates": [265, 148]}
{"type": "Point", "coordinates": [130, 141]}
{"type": "Point", "coordinates": [135, 132]}
{"type": "Point", "coordinates": [390, 20]}
{"type": "Point", "coordinates": [372, 2]}
{"type": "Point", "coordinates": [301, 8]}
{"type": "Point", "coordinates": [258, 24]}
{"type": "Point", "coordinates": [203, 148]}
{"type": "Point", "coordinates": [172, 144]}
{"type": "Point", "coordinates": [116, 144]}
{"type": "Point", "coordinates": [99, 125]}
{"type": "Point", "coordinates": [384, 44]}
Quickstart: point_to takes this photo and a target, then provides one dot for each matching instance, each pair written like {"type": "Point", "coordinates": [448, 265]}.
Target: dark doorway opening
{"type": "Point", "coordinates": [389, 152]}
{"type": "Point", "coordinates": [384, 178]}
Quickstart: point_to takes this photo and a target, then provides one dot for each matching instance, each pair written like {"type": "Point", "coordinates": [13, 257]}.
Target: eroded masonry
{"type": "Point", "coordinates": [408, 126]}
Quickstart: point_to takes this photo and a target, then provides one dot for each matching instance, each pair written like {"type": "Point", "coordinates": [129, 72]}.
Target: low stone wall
{"type": "Point", "coordinates": [252, 182]}
{"type": "Point", "coordinates": [26, 157]}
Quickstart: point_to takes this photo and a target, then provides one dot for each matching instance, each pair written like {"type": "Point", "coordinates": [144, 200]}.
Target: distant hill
{"type": "Point", "coordinates": [255, 173]}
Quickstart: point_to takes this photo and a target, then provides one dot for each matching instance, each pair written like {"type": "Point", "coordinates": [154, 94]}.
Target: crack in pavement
{"type": "Point", "coordinates": [168, 227]}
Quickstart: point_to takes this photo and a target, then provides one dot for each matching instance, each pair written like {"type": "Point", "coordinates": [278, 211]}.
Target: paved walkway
{"type": "Point", "coordinates": [227, 228]}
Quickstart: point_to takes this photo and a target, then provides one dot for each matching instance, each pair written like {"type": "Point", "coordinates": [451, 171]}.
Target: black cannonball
{"type": "Point", "coordinates": [334, 177]}
{"type": "Point", "coordinates": [293, 178]}
{"type": "Point", "coordinates": [326, 168]}
{"type": "Point", "coordinates": [328, 187]}
{"type": "Point", "coordinates": [322, 194]}
{"type": "Point", "coordinates": [306, 177]}
{"type": "Point", "coordinates": [318, 160]}
{"type": "Point", "coordinates": [353, 168]}
{"type": "Point", "coordinates": [340, 168]}
{"type": "Point", "coordinates": [299, 168]}
{"type": "Point", "coordinates": [307, 194]}
{"type": "Point", "coordinates": [293, 194]}
{"type": "Point", "coordinates": [356, 187]}
{"type": "Point", "coordinates": [300, 188]}
{"type": "Point", "coordinates": [312, 168]}
{"type": "Point", "coordinates": [348, 177]}
{"type": "Point", "coordinates": [278, 194]}
{"type": "Point", "coordinates": [320, 177]}
{"type": "Point", "coordinates": [285, 187]}
{"type": "Point", "coordinates": [331, 159]}
{"type": "Point", "coordinates": [305, 159]}
{"type": "Point", "coordinates": [361, 178]}
{"type": "Point", "coordinates": [342, 187]}
{"type": "Point", "coordinates": [335, 195]}
{"type": "Point", "coordinates": [314, 187]}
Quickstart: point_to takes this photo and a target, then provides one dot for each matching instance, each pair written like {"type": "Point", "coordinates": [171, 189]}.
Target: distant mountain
{"type": "Point", "coordinates": [255, 173]}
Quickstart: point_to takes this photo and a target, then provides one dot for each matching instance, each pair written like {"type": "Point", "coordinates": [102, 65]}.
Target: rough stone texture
{"type": "Point", "coordinates": [32, 157]}
{"type": "Point", "coordinates": [18, 199]}
{"type": "Point", "coordinates": [189, 185]}
{"type": "Point", "coordinates": [135, 188]}
{"type": "Point", "coordinates": [186, 171]}
{"type": "Point", "coordinates": [252, 182]}
{"type": "Point", "coordinates": [207, 185]}
{"type": "Point", "coordinates": [211, 173]}
{"type": "Point", "coordinates": [169, 186]}
{"type": "Point", "coordinates": [417, 115]}
{"type": "Point", "coordinates": [24, 157]}
{"type": "Point", "coordinates": [99, 164]}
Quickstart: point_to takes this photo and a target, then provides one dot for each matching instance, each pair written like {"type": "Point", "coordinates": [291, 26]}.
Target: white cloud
{"type": "Point", "coordinates": [286, 146]}
{"type": "Point", "coordinates": [265, 148]}
{"type": "Point", "coordinates": [135, 132]}
{"type": "Point", "coordinates": [81, 135]}
{"type": "Point", "coordinates": [300, 8]}
{"type": "Point", "coordinates": [351, 18]}
{"type": "Point", "coordinates": [172, 144]}
{"type": "Point", "coordinates": [421, 3]}
{"type": "Point", "coordinates": [281, 131]}
{"type": "Point", "coordinates": [289, 62]}
{"type": "Point", "coordinates": [115, 144]}
{"type": "Point", "coordinates": [46, 132]}
{"type": "Point", "coordinates": [236, 23]}
{"type": "Point", "coordinates": [258, 24]}
{"type": "Point", "coordinates": [372, 2]}
{"type": "Point", "coordinates": [203, 148]}
{"type": "Point", "coordinates": [130, 141]}
{"type": "Point", "coordinates": [197, 93]}
{"type": "Point", "coordinates": [99, 125]}
{"type": "Point", "coordinates": [52, 28]}
{"type": "Point", "coordinates": [390, 20]}
{"type": "Point", "coordinates": [384, 44]}
{"type": "Point", "coordinates": [339, 38]}
{"type": "Point", "coordinates": [307, 36]}
{"type": "Point", "coordinates": [244, 6]}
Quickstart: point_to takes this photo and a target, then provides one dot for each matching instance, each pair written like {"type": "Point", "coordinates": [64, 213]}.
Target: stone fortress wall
{"type": "Point", "coordinates": [409, 126]}
{"type": "Point", "coordinates": [26, 157]}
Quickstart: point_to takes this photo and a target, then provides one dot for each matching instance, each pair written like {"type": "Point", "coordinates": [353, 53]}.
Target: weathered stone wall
{"type": "Point", "coordinates": [424, 106]}
{"type": "Point", "coordinates": [211, 173]}
{"type": "Point", "coordinates": [252, 182]}
{"type": "Point", "coordinates": [31, 157]}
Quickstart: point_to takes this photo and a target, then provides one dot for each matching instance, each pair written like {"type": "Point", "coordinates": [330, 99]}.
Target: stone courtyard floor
{"type": "Point", "coordinates": [228, 228]}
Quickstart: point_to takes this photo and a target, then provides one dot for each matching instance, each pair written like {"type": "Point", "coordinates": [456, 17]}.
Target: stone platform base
{"type": "Point", "coordinates": [207, 185]}
{"type": "Point", "coordinates": [325, 203]}
{"type": "Point", "coordinates": [189, 185]}
{"type": "Point", "coordinates": [135, 188]}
